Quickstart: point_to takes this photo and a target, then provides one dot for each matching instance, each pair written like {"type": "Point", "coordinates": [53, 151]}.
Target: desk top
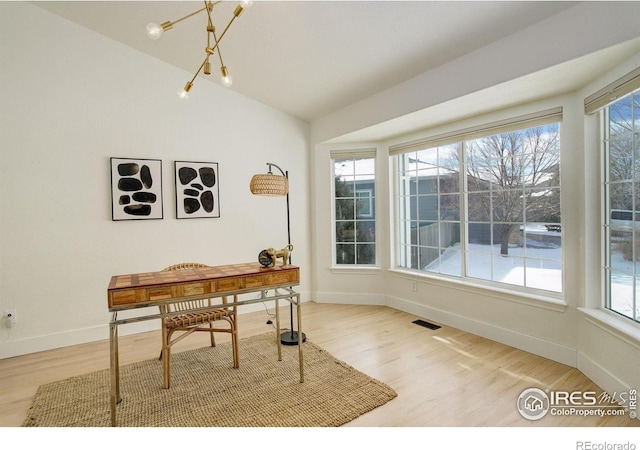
{"type": "Point", "coordinates": [151, 287]}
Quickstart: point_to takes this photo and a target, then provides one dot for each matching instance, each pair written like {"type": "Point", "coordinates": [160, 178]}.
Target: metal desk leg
{"type": "Point", "coordinates": [114, 369]}
{"type": "Point", "coordinates": [300, 357]}
{"type": "Point", "coordinates": [278, 327]}
{"type": "Point", "coordinates": [166, 351]}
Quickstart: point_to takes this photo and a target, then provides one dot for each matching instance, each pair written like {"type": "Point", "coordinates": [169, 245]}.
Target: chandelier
{"type": "Point", "coordinates": [155, 31]}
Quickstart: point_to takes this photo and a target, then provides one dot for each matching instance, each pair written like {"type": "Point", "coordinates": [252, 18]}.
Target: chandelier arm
{"type": "Point", "coordinates": [215, 38]}
{"type": "Point", "coordinates": [235, 16]}
{"type": "Point", "coordinates": [198, 72]}
{"type": "Point", "coordinates": [209, 7]}
{"type": "Point", "coordinates": [188, 15]}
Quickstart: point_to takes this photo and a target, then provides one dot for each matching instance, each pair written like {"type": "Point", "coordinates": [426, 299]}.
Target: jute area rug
{"type": "Point", "coordinates": [206, 391]}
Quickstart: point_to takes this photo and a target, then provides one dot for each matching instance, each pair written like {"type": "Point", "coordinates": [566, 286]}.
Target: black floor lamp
{"type": "Point", "coordinates": [278, 186]}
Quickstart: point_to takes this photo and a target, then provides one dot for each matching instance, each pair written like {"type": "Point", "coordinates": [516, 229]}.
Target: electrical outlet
{"type": "Point", "coordinates": [414, 286]}
{"type": "Point", "coordinates": [11, 317]}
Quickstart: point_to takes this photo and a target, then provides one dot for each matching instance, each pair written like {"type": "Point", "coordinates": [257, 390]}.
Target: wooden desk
{"type": "Point", "coordinates": [128, 292]}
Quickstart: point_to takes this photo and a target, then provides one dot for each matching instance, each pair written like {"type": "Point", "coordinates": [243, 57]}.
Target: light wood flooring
{"type": "Point", "coordinates": [444, 377]}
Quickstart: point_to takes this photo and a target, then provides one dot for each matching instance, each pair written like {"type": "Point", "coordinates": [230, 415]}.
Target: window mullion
{"type": "Point", "coordinates": [464, 210]}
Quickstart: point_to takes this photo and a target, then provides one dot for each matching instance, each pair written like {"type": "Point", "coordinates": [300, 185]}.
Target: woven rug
{"type": "Point", "coordinates": [207, 392]}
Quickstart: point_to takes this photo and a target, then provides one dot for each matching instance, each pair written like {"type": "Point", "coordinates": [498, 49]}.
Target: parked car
{"type": "Point", "coordinates": [623, 220]}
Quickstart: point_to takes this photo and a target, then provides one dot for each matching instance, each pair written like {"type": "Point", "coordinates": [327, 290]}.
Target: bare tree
{"type": "Point", "coordinates": [512, 178]}
{"type": "Point", "coordinates": [623, 165]}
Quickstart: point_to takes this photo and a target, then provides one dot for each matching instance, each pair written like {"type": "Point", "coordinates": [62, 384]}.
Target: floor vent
{"type": "Point", "coordinates": [426, 324]}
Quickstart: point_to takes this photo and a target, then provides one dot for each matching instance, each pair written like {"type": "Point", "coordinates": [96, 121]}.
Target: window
{"type": "Point", "coordinates": [429, 203]}
{"type": "Point", "coordinates": [354, 209]}
{"type": "Point", "coordinates": [486, 206]}
{"type": "Point", "coordinates": [622, 206]}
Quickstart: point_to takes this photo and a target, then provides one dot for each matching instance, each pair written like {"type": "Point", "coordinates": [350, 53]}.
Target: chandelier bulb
{"type": "Point", "coordinates": [246, 3]}
{"type": "Point", "coordinates": [184, 94]}
{"type": "Point", "coordinates": [154, 31]}
{"type": "Point", "coordinates": [226, 78]}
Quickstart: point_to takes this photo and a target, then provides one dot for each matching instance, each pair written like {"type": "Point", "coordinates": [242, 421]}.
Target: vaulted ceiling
{"type": "Point", "coordinates": [311, 58]}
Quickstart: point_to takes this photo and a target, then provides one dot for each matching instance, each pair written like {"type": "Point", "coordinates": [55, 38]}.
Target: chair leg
{"type": "Point", "coordinates": [213, 339]}
{"type": "Point", "coordinates": [166, 358]}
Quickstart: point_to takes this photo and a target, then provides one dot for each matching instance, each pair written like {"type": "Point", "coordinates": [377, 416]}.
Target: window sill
{"type": "Point", "coordinates": [539, 301]}
{"type": "Point", "coordinates": [364, 270]}
{"type": "Point", "coordinates": [621, 328]}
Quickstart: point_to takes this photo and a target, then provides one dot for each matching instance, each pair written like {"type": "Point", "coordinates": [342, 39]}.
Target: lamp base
{"type": "Point", "coordinates": [291, 338]}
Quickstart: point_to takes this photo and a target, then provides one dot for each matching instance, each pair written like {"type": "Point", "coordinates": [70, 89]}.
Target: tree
{"type": "Point", "coordinates": [623, 164]}
{"type": "Point", "coordinates": [353, 238]}
{"type": "Point", "coordinates": [513, 178]}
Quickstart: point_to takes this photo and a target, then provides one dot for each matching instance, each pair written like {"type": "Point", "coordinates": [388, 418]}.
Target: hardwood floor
{"type": "Point", "coordinates": [444, 377]}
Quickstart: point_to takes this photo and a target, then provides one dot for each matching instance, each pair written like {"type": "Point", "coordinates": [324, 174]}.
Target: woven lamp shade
{"type": "Point", "coordinates": [269, 184]}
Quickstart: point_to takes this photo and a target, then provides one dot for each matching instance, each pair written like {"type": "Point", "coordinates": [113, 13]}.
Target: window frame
{"type": "Point", "coordinates": [462, 136]}
{"type": "Point", "coordinates": [350, 154]}
{"type": "Point", "coordinates": [607, 225]}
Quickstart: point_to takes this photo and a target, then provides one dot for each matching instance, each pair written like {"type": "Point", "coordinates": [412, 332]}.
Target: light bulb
{"type": "Point", "coordinates": [226, 78]}
{"type": "Point", "coordinates": [227, 81]}
{"type": "Point", "coordinates": [246, 3]}
{"type": "Point", "coordinates": [154, 31]}
{"type": "Point", "coordinates": [184, 93]}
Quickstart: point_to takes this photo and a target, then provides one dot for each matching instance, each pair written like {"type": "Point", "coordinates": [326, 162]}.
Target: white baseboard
{"type": "Point", "coordinates": [531, 344]}
{"type": "Point", "coordinates": [546, 349]}
{"type": "Point", "coordinates": [345, 298]}
{"type": "Point", "coordinates": [71, 337]}
{"type": "Point", "coordinates": [18, 347]}
{"type": "Point", "coordinates": [606, 380]}
{"type": "Point", "coordinates": [600, 375]}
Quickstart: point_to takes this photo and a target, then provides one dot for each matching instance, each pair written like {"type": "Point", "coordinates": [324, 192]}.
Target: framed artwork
{"type": "Point", "coordinates": [136, 189]}
{"type": "Point", "coordinates": [197, 193]}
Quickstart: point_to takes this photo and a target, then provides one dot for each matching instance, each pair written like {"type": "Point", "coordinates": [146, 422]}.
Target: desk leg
{"type": "Point", "coordinates": [114, 370]}
{"type": "Point", "coordinates": [300, 357]}
{"type": "Point", "coordinates": [278, 328]}
{"type": "Point", "coordinates": [166, 351]}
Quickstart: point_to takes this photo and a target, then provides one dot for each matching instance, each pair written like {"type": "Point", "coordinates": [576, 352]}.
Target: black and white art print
{"type": "Point", "coordinates": [197, 190]}
{"type": "Point", "coordinates": [136, 189]}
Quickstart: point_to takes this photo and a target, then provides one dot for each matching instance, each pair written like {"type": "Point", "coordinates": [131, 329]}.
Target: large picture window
{"type": "Point", "coordinates": [622, 206]}
{"type": "Point", "coordinates": [354, 209]}
{"type": "Point", "coordinates": [486, 207]}
{"type": "Point", "coordinates": [429, 205]}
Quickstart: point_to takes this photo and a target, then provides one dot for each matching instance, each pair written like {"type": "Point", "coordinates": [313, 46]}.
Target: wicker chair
{"type": "Point", "coordinates": [190, 321]}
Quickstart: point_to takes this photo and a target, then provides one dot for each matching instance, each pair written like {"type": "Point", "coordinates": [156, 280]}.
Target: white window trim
{"type": "Point", "coordinates": [472, 287]}
{"type": "Point", "coordinates": [351, 268]}
{"type": "Point", "coordinates": [607, 319]}
{"type": "Point", "coordinates": [626, 330]}
{"type": "Point", "coordinates": [547, 116]}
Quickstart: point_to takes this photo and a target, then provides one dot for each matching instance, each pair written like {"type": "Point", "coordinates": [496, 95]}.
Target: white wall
{"type": "Point", "coordinates": [572, 33]}
{"type": "Point", "coordinates": [608, 347]}
{"type": "Point", "coordinates": [571, 330]}
{"type": "Point", "coordinates": [71, 99]}
{"type": "Point", "coordinates": [541, 325]}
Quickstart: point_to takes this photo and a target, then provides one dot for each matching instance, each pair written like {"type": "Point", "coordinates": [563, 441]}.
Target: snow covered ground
{"type": "Point", "coordinates": [622, 286]}
{"type": "Point", "coordinates": [542, 269]}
